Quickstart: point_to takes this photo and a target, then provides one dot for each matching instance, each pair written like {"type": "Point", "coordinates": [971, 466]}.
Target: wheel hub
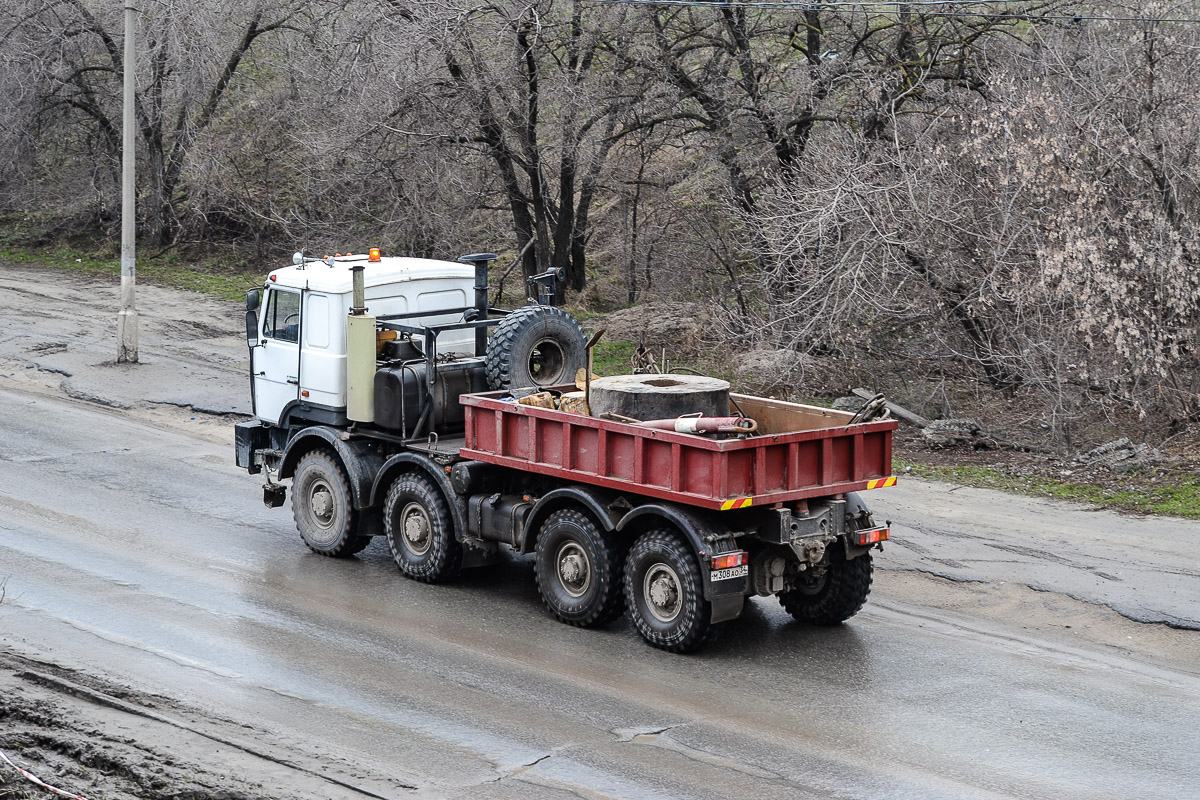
{"type": "Point", "coordinates": [321, 502]}
{"type": "Point", "coordinates": [662, 592]}
{"type": "Point", "coordinates": [571, 568]}
{"type": "Point", "coordinates": [416, 528]}
{"type": "Point", "coordinates": [574, 571]}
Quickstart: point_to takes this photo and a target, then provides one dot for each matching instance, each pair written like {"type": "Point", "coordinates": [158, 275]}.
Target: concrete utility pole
{"type": "Point", "coordinates": [127, 319]}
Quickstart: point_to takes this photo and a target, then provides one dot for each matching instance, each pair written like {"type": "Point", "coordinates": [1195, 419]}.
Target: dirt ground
{"type": "Point", "coordinates": [58, 337]}
{"type": "Point", "coordinates": [1179, 465]}
{"type": "Point", "coordinates": [90, 738]}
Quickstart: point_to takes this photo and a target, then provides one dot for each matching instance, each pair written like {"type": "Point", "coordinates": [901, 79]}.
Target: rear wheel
{"type": "Point", "coordinates": [420, 530]}
{"type": "Point", "coordinates": [578, 570]}
{"type": "Point", "coordinates": [833, 595]}
{"type": "Point", "coordinates": [665, 595]}
{"type": "Point", "coordinates": [322, 507]}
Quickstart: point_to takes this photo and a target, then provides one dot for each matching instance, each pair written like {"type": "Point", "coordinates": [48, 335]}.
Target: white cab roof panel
{"type": "Point", "coordinates": [318, 277]}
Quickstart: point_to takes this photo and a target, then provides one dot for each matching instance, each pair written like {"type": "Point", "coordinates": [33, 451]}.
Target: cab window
{"type": "Point", "coordinates": [282, 320]}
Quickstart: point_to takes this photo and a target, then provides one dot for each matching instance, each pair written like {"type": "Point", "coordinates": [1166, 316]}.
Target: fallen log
{"type": "Point", "coordinates": [899, 412]}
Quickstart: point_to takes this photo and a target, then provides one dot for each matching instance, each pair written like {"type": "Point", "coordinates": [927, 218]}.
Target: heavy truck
{"type": "Point", "coordinates": [378, 391]}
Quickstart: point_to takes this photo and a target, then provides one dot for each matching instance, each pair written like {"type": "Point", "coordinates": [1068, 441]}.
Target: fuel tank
{"type": "Point", "coordinates": [402, 396]}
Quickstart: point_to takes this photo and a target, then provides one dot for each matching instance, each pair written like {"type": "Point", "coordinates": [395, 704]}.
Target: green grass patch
{"type": "Point", "coordinates": [211, 277]}
{"type": "Point", "coordinates": [583, 314]}
{"type": "Point", "coordinates": [611, 357]}
{"type": "Point", "coordinates": [1175, 494]}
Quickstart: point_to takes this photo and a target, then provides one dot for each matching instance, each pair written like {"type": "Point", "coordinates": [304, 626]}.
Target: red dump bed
{"type": "Point", "coordinates": [801, 451]}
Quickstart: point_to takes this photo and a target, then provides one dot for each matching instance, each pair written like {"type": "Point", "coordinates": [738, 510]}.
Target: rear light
{"type": "Point", "coordinates": [729, 560]}
{"type": "Point", "coordinates": [373, 254]}
{"type": "Point", "coordinates": [867, 538]}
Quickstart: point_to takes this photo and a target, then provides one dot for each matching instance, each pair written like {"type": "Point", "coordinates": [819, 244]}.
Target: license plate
{"type": "Point", "coordinates": [727, 574]}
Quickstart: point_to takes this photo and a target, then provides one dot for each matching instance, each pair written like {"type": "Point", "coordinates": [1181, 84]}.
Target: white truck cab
{"type": "Point", "coordinates": [297, 335]}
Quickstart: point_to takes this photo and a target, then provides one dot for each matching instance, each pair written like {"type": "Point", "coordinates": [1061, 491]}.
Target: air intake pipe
{"type": "Point", "coordinates": [360, 353]}
{"type": "Point", "coordinates": [359, 306]}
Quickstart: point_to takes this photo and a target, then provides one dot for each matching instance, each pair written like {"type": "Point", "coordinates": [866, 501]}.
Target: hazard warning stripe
{"type": "Point", "coordinates": [881, 483]}
{"type": "Point", "coordinates": [743, 502]}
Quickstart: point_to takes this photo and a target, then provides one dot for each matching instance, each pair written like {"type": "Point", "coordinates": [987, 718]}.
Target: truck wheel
{"type": "Point", "coordinates": [665, 595]}
{"type": "Point", "coordinates": [322, 507]}
{"type": "Point", "coordinates": [578, 570]}
{"type": "Point", "coordinates": [420, 530]}
{"type": "Point", "coordinates": [835, 596]}
{"type": "Point", "coordinates": [535, 346]}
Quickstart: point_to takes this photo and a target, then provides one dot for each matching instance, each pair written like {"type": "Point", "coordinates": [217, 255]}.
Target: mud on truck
{"type": "Point", "coordinates": [378, 391]}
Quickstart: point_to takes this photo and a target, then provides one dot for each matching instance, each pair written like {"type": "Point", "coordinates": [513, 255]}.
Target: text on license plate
{"type": "Point", "coordinates": [732, 572]}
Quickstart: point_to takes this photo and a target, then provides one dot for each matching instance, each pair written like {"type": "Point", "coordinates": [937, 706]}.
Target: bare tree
{"type": "Point", "coordinates": [1042, 230]}
{"type": "Point", "coordinates": [192, 60]}
{"type": "Point", "coordinates": [533, 78]}
{"type": "Point", "coordinates": [759, 84]}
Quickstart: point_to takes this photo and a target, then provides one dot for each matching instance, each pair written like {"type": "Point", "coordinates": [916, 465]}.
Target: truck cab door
{"type": "Point", "coordinates": [275, 361]}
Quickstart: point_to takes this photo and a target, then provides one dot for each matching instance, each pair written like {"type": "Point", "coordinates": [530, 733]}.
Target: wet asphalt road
{"type": "Point", "coordinates": [145, 555]}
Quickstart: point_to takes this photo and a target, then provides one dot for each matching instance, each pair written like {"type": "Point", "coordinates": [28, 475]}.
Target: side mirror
{"type": "Point", "coordinates": [253, 299]}
{"type": "Point", "coordinates": [252, 325]}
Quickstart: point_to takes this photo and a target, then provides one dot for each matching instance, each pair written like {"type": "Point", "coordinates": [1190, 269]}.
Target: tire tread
{"type": "Point", "coordinates": [848, 583]}
{"type": "Point", "coordinates": [446, 553]}
{"type": "Point", "coordinates": [348, 542]}
{"type": "Point", "coordinates": [498, 358]}
{"type": "Point", "coordinates": [700, 631]}
{"type": "Point", "coordinates": [612, 605]}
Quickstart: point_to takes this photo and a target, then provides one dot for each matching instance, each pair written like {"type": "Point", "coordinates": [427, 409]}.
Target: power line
{"type": "Point", "coordinates": [867, 7]}
{"type": "Point", "coordinates": [816, 3]}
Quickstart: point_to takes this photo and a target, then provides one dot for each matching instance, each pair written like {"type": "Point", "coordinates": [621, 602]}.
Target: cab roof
{"type": "Point", "coordinates": [320, 277]}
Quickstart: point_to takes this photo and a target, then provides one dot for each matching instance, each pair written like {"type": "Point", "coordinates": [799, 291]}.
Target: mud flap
{"type": "Point", "coordinates": [248, 438]}
{"type": "Point", "coordinates": [727, 607]}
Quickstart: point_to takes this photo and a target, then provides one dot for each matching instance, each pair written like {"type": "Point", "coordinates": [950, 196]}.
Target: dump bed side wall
{"type": "Point", "coordinates": [713, 474]}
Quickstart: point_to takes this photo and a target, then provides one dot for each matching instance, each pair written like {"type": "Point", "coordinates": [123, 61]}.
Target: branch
{"type": "Point", "coordinates": [705, 123]}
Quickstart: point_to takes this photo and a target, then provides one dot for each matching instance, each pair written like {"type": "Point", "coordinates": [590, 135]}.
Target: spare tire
{"type": "Point", "coordinates": [535, 346]}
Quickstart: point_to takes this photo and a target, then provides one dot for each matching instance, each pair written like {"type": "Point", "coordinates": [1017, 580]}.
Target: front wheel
{"type": "Point", "coordinates": [420, 530]}
{"type": "Point", "coordinates": [323, 508]}
{"type": "Point", "coordinates": [578, 570]}
{"type": "Point", "coordinates": [665, 595]}
{"type": "Point", "coordinates": [834, 595]}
